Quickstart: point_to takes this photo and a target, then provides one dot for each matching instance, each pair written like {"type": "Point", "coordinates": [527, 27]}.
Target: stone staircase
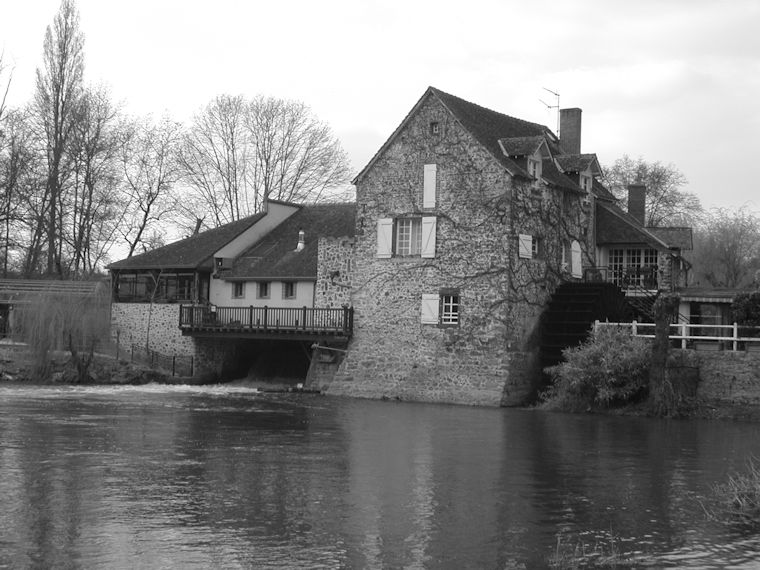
{"type": "Point", "coordinates": [571, 313]}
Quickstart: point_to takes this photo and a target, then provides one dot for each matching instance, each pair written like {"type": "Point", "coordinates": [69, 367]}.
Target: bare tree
{"type": "Point", "coordinates": [88, 229]}
{"type": "Point", "coordinates": [150, 170]}
{"type": "Point", "coordinates": [214, 157]}
{"type": "Point", "coordinates": [237, 153]}
{"type": "Point", "coordinates": [18, 177]}
{"type": "Point", "coordinates": [4, 90]}
{"type": "Point", "coordinates": [59, 88]}
{"type": "Point", "coordinates": [52, 321]}
{"type": "Point", "coordinates": [297, 158]}
{"type": "Point", "coordinates": [666, 202]}
{"type": "Point", "coordinates": [727, 248]}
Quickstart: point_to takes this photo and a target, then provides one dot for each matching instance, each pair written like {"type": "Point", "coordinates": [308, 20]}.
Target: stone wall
{"type": "Point", "coordinates": [129, 321]}
{"type": "Point", "coordinates": [729, 377]}
{"type": "Point", "coordinates": [489, 358]}
{"type": "Point", "coordinates": [335, 272]}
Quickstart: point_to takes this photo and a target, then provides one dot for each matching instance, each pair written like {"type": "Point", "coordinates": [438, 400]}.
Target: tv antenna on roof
{"type": "Point", "coordinates": [552, 106]}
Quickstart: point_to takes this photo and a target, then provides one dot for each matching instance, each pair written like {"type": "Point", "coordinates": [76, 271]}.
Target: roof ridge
{"type": "Point", "coordinates": [441, 92]}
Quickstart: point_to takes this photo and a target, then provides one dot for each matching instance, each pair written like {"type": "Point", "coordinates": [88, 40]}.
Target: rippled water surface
{"type": "Point", "coordinates": [172, 477]}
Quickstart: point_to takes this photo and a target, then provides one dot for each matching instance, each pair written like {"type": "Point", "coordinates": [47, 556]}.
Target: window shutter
{"type": "Point", "coordinates": [575, 259]}
{"type": "Point", "coordinates": [384, 237]}
{"type": "Point", "coordinates": [525, 246]}
{"type": "Point", "coordinates": [429, 309]}
{"type": "Point", "coordinates": [429, 186]}
{"type": "Point", "coordinates": [428, 236]}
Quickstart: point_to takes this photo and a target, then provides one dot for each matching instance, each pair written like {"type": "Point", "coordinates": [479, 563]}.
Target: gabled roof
{"type": "Point", "coordinates": [600, 191]}
{"type": "Point", "coordinates": [552, 176]}
{"type": "Point", "coordinates": [521, 146]}
{"type": "Point", "coordinates": [614, 226]}
{"type": "Point", "coordinates": [579, 163]}
{"type": "Point", "coordinates": [11, 289]}
{"type": "Point", "coordinates": [674, 237]}
{"type": "Point", "coordinates": [189, 253]}
{"type": "Point", "coordinates": [274, 257]}
{"type": "Point", "coordinates": [484, 125]}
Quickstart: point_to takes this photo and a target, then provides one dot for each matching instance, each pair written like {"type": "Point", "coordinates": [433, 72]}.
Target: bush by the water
{"type": "Point", "coordinates": [609, 369]}
{"type": "Point", "coordinates": [738, 500]}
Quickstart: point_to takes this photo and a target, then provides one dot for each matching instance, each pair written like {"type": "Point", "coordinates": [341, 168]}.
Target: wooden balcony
{"type": "Point", "coordinates": [632, 280]}
{"type": "Point", "coordinates": [266, 322]}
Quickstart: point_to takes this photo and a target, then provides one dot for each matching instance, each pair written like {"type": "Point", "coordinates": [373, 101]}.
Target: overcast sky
{"type": "Point", "coordinates": [671, 81]}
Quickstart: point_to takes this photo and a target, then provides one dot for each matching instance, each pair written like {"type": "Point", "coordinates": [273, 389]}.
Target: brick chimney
{"type": "Point", "coordinates": [637, 202]}
{"type": "Point", "coordinates": [570, 130]}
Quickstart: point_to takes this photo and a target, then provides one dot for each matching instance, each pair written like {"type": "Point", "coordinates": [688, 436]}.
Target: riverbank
{"type": "Point", "coordinates": [15, 367]}
{"type": "Point", "coordinates": [105, 370]}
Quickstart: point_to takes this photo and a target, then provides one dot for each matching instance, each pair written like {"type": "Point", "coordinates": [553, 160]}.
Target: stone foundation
{"type": "Point", "coordinates": [129, 324]}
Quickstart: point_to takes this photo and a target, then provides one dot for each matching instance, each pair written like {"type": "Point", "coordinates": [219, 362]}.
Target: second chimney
{"type": "Point", "coordinates": [637, 202]}
{"type": "Point", "coordinates": [570, 130]}
{"type": "Point", "coordinates": [301, 240]}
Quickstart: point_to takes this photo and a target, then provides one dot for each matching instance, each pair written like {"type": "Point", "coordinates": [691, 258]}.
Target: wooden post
{"type": "Point", "coordinates": [683, 335]}
{"type": "Point", "coordinates": [250, 317]}
{"type": "Point", "coordinates": [174, 364]}
{"type": "Point", "coordinates": [266, 309]}
{"type": "Point", "coordinates": [304, 317]}
{"type": "Point", "coordinates": [634, 329]}
{"type": "Point", "coordinates": [736, 336]}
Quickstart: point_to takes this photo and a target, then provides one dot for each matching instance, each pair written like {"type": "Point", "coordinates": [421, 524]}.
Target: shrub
{"type": "Point", "coordinates": [611, 368]}
{"type": "Point", "coordinates": [51, 322]}
{"type": "Point", "coordinates": [745, 311]}
{"type": "Point", "coordinates": [738, 500]}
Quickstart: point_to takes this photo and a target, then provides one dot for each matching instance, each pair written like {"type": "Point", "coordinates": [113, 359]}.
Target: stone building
{"type": "Point", "coordinates": [235, 297]}
{"type": "Point", "coordinates": [467, 221]}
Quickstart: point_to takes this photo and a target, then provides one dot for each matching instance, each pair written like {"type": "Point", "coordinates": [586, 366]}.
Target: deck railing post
{"type": "Point", "coordinates": [634, 329]}
{"type": "Point", "coordinates": [304, 317]}
{"type": "Point", "coordinates": [250, 317]}
{"type": "Point", "coordinates": [683, 335]}
{"type": "Point", "coordinates": [266, 311]}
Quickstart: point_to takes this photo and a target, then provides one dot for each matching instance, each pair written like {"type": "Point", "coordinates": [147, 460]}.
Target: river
{"type": "Point", "coordinates": [223, 477]}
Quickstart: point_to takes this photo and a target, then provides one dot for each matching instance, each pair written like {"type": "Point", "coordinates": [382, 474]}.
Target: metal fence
{"type": "Point", "coordinates": [177, 364]}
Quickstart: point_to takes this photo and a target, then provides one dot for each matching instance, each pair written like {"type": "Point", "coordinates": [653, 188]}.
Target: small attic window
{"type": "Point", "coordinates": [586, 182]}
{"type": "Point", "coordinates": [534, 168]}
{"type": "Point", "coordinates": [435, 128]}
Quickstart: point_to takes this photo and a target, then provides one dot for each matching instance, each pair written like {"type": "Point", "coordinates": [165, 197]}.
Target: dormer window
{"type": "Point", "coordinates": [534, 168]}
{"type": "Point", "coordinates": [435, 128]}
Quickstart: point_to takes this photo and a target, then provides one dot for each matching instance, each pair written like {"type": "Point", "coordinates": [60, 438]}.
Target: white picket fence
{"type": "Point", "coordinates": [717, 337]}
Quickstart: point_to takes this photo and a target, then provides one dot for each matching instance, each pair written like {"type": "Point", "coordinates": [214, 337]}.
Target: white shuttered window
{"type": "Point", "coordinates": [428, 236]}
{"type": "Point", "coordinates": [429, 186]}
{"type": "Point", "coordinates": [525, 246]}
{"type": "Point", "coordinates": [430, 304]}
{"type": "Point", "coordinates": [385, 237]}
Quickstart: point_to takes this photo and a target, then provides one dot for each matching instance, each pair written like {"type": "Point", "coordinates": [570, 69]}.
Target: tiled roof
{"type": "Point", "coordinates": [488, 126]}
{"type": "Point", "coordinates": [189, 253]}
{"type": "Point", "coordinates": [707, 294]}
{"type": "Point", "coordinates": [674, 237]}
{"type": "Point", "coordinates": [521, 146]}
{"type": "Point", "coordinates": [11, 289]}
{"type": "Point", "coordinates": [551, 174]}
{"type": "Point", "coordinates": [485, 126]}
{"type": "Point", "coordinates": [575, 162]}
{"type": "Point", "coordinates": [275, 256]}
{"type": "Point", "coordinates": [600, 191]}
{"type": "Point", "coordinates": [614, 226]}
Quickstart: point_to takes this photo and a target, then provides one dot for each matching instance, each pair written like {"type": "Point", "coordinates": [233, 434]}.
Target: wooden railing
{"type": "Point", "coordinates": [720, 337]}
{"type": "Point", "coordinates": [267, 320]}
